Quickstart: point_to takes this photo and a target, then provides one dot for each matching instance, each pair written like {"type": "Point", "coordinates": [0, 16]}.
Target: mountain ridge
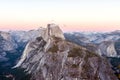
{"type": "Point", "coordinates": [51, 57]}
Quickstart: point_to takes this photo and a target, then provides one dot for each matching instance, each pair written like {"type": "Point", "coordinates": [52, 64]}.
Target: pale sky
{"type": "Point", "coordinates": [71, 15]}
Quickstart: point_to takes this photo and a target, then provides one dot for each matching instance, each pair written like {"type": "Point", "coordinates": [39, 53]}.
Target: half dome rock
{"type": "Point", "coordinates": [51, 31]}
{"type": "Point", "coordinates": [54, 30]}
{"type": "Point", "coordinates": [51, 57]}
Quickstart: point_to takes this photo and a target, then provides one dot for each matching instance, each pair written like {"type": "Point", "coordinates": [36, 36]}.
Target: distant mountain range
{"type": "Point", "coordinates": [105, 44]}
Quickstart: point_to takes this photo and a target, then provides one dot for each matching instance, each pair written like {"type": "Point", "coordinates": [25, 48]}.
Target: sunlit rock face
{"type": "Point", "coordinates": [107, 48]}
{"type": "Point", "coordinates": [52, 30]}
{"type": "Point", "coordinates": [51, 57]}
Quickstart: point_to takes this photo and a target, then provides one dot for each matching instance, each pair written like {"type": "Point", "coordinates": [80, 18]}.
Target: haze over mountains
{"type": "Point", "coordinates": [103, 43]}
{"type": "Point", "coordinates": [51, 54]}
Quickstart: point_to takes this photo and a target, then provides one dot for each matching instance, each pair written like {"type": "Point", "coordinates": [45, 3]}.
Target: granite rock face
{"type": "Point", "coordinates": [107, 48]}
{"type": "Point", "coordinates": [51, 57]}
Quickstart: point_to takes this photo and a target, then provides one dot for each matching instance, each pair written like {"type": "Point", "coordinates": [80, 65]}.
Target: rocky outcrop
{"type": "Point", "coordinates": [107, 48]}
{"type": "Point", "coordinates": [51, 57]}
{"type": "Point", "coordinates": [52, 31]}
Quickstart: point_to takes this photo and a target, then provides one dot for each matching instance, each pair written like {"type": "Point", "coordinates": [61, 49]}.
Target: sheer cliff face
{"type": "Point", "coordinates": [51, 57]}
{"type": "Point", "coordinates": [107, 48]}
